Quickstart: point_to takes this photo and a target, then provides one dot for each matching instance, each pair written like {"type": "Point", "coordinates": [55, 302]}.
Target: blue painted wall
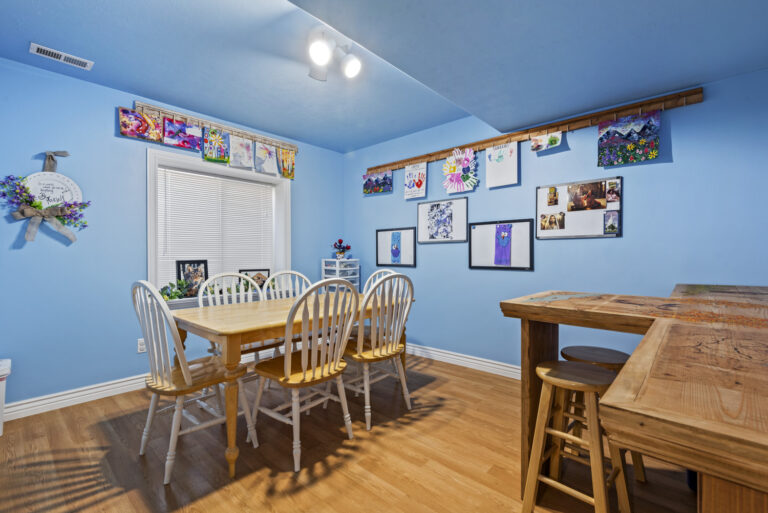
{"type": "Point", "coordinates": [65, 312]}
{"type": "Point", "coordinates": [695, 215]}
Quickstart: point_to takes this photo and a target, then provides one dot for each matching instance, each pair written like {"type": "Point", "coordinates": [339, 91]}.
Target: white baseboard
{"type": "Point", "coordinates": [473, 362]}
{"type": "Point", "coordinates": [58, 400]}
{"type": "Point", "coordinates": [35, 405]}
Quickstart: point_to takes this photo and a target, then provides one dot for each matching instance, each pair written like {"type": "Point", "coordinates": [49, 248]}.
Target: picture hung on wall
{"type": "Point", "coordinates": [416, 180]}
{"type": "Point", "coordinates": [140, 126]}
{"type": "Point", "coordinates": [546, 141]}
{"type": "Point", "coordinates": [215, 145]}
{"type": "Point", "coordinates": [287, 163]}
{"type": "Point", "coordinates": [460, 170]}
{"type": "Point", "coordinates": [442, 221]}
{"type": "Point", "coordinates": [258, 275]}
{"type": "Point", "coordinates": [266, 159]}
{"type": "Point", "coordinates": [501, 245]}
{"type": "Point", "coordinates": [241, 152]}
{"type": "Point", "coordinates": [629, 140]}
{"type": "Point", "coordinates": [584, 209]}
{"type": "Point", "coordinates": [194, 272]}
{"type": "Point", "coordinates": [396, 247]}
{"type": "Point", "coordinates": [182, 135]}
{"type": "Point", "coordinates": [377, 183]}
{"type": "Point", "coordinates": [501, 165]}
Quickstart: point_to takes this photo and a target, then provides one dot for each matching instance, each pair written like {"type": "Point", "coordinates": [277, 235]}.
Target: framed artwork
{"type": "Point", "coordinates": [628, 140]}
{"type": "Point", "coordinates": [182, 135]}
{"type": "Point", "coordinates": [579, 210]}
{"type": "Point", "coordinates": [140, 126]}
{"type": "Point", "coordinates": [258, 275]}
{"type": "Point", "coordinates": [442, 221]}
{"type": "Point", "coordinates": [501, 245]}
{"type": "Point", "coordinates": [377, 183]}
{"type": "Point", "coordinates": [193, 271]}
{"type": "Point", "coordinates": [396, 247]}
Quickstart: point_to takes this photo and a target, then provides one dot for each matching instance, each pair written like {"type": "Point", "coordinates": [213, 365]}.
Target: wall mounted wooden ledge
{"type": "Point", "coordinates": [669, 101]}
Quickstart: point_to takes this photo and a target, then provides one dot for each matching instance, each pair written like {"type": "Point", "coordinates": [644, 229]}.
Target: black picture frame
{"type": "Point", "coordinates": [602, 234]}
{"type": "Point", "coordinates": [531, 228]}
{"type": "Point", "coordinates": [463, 199]}
{"type": "Point", "coordinates": [180, 274]}
{"type": "Point", "coordinates": [407, 228]}
{"type": "Point", "coordinates": [265, 272]}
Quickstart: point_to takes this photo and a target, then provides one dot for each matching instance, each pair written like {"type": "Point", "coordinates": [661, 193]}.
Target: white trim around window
{"type": "Point", "coordinates": [282, 214]}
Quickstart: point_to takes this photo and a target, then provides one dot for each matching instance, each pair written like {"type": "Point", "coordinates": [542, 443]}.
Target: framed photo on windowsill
{"type": "Point", "coordinates": [396, 247]}
{"type": "Point", "coordinates": [258, 275]}
{"type": "Point", "coordinates": [193, 271]}
{"type": "Point", "coordinates": [442, 221]}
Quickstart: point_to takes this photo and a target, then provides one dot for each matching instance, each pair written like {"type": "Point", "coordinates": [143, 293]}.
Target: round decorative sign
{"type": "Point", "coordinates": [53, 188]}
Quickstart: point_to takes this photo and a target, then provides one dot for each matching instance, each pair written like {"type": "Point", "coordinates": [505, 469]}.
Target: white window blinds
{"type": "Point", "coordinates": [227, 221]}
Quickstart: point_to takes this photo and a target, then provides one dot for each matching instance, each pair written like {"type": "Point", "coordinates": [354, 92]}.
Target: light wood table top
{"type": "Point", "coordinates": [695, 391]}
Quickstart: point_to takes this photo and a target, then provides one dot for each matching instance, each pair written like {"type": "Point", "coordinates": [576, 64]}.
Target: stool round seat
{"type": "Point", "coordinates": [576, 376]}
{"type": "Point", "coordinates": [607, 358]}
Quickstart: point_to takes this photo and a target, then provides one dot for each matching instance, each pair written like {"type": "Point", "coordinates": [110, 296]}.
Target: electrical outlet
{"type": "Point", "coordinates": [141, 348]}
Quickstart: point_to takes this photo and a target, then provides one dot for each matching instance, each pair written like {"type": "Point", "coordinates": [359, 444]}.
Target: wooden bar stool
{"type": "Point", "coordinates": [561, 378]}
{"type": "Point", "coordinates": [608, 359]}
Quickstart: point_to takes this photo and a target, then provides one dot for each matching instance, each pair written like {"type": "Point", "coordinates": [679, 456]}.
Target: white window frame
{"type": "Point", "coordinates": [282, 215]}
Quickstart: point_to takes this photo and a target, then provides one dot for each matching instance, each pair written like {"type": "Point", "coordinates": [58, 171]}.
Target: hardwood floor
{"type": "Point", "coordinates": [458, 450]}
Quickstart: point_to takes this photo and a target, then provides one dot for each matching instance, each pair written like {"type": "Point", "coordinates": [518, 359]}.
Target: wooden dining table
{"type": "Point", "coordinates": [232, 327]}
{"type": "Point", "coordinates": [693, 393]}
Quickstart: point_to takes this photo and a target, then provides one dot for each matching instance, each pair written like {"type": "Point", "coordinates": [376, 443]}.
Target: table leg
{"type": "Point", "coordinates": [539, 343]}
{"type": "Point", "coordinates": [717, 495]}
{"type": "Point", "coordinates": [231, 362]}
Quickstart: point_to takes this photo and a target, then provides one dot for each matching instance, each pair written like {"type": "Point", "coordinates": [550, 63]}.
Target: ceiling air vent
{"type": "Point", "coordinates": [50, 53]}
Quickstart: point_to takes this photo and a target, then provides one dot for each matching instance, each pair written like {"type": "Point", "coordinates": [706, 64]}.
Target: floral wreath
{"type": "Point", "coordinates": [15, 193]}
{"type": "Point", "coordinates": [460, 170]}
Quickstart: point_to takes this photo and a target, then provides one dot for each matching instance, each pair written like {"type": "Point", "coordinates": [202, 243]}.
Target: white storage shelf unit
{"type": "Point", "coordinates": [348, 269]}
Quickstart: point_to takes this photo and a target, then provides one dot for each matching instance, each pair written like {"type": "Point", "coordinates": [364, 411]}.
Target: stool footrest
{"type": "Point", "coordinates": [567, 489]}
{"type": "Point", "coordinates": [567, 436]}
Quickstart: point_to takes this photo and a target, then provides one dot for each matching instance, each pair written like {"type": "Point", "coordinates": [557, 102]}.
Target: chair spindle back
{"type": "Point", "coordinates": [326, 317]}
{"type": "Point", "coordinates": [228, 288]}
{"type": "Point", "coordinates": [375, 277]}
{"type": "Point", "coordinates": [390, 300]}
{"type": "Point", "coordinates": [157, 323]}
{"type": "Point", "coordinates": [286, 284]}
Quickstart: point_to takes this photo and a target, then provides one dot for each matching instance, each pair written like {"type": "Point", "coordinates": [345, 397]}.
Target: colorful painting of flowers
{"type": "Point", "coordinates": [266, 159]}
{"type": "Point", "coordinates": [140, 126]}
{"type": "Point", "coordinates": [629, 139]}
{"type": "Point", "coordinates": [215, 145]}
{"type": "Point", "coordinates": [460, 170]}
{"type": "Point", "coordinates": [377, 183]}
{"type": "Point", "coordinates": [182, 135]}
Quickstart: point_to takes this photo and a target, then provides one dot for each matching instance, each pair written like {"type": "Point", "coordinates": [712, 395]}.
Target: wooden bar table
{"type": "Point", "coordinates": [694, 392]}
{"type": "Point", "coordinates": [231, 327]}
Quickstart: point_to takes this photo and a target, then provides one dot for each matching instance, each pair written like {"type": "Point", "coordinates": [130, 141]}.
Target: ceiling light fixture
{"type": "Point", "coordinates": [323, 49]}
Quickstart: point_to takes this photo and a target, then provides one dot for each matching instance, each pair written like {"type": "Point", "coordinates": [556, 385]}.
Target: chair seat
{"type": "Point", "coordinates": [604, 357]}
{"type": "Point", "coordinates": [581, 377]}
{"type": "Point", "coordinates": [368, 355]}
{"type": "Point", "coordinates": [274, 369]}
{"type": "Point", "coordinates": [205, 372]}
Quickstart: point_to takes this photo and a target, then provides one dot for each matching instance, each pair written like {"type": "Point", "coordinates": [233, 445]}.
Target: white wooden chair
{"type": "Point", "coordinates": [285, 284]}
{"type": "Point", "coordinates": [325, 312]}
{"type": "Point", "coordinates": [176, 378]}
{"type": "Point", "coordinates": [390, 300]}
{"type": "Point", "coordinates": [374, 277]}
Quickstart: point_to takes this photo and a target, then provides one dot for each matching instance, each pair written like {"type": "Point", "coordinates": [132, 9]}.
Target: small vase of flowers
{"type": "Point", "coordinates": [341, 248]}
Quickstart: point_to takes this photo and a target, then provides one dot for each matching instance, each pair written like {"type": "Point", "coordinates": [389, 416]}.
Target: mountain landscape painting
{"type": "Point", "coordinates": [376, 183]}
{"type": "Point", "coordinates": [629, 139]}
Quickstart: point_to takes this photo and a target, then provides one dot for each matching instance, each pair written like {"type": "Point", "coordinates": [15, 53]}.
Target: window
{"type": "Point", "coordinates": [232, 218]}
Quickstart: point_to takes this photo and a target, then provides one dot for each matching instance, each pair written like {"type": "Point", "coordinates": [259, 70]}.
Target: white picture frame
{"type": "Point", "coordinates": [442, 221]}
